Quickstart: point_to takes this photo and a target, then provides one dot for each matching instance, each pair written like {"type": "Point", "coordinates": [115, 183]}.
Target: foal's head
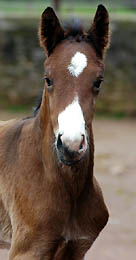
{"type": "Point", "coordinates": [73, 72]}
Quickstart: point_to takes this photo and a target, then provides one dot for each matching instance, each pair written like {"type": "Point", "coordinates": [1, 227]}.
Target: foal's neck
{"type": "Point", "coordinates": [75, 178]}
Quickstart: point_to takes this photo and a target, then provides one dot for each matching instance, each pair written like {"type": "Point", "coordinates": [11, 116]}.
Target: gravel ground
{"type": "Point", "coordinates": [115, 168]}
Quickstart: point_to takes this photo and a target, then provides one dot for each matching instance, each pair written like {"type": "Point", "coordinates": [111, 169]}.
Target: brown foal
{"type": "Point", "coordinates": [51, 206]}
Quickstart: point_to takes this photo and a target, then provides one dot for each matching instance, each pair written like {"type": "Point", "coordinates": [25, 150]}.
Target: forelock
{"type": "Point", "coordinates": [75, 30]}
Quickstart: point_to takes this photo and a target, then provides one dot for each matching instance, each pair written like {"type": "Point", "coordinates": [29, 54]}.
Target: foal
{"type": "Point", "coordinates": [51, 206]}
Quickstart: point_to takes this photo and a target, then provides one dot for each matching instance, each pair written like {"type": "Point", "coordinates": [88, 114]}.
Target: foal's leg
{"type": "Point", "coordinates": [73, 250]}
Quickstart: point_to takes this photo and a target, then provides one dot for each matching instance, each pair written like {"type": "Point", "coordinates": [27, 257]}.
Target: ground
{"type": "Point", "coordinates": [115, 168]}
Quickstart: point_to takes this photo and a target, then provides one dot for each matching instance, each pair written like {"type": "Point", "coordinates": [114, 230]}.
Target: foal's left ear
{"type": "Point", "coordinates": [99, 31]}
{"type": "Point", "coordinates": [50, 31]}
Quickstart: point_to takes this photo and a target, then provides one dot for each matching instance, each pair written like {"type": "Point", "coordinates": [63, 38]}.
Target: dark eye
{"type": "Point", "coordinates": [96, 85]}
{"type": "Point", "coordinates": [49, 84]}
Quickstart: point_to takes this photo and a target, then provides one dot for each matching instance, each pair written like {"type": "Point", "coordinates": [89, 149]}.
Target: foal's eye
{"type": "Point", "coordinates": [49, 84]}
{"type": "Point", "coordinates": [96, 85]}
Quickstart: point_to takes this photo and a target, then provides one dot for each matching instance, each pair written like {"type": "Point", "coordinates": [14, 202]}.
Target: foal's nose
{"type": "Point", "coordinates": [71, 151]}
{"type": "Point", "coordinates": [77, 145]}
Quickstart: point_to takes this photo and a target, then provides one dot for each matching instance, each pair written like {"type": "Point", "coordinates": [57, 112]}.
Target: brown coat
{"type": "Point", "coordinates": [49, 210]}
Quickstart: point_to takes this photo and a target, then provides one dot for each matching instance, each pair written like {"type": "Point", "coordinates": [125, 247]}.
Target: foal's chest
{"type": "Point", "coordinates": [73, 231]}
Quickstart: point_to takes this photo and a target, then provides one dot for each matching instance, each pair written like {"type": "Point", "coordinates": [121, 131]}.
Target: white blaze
{"type": "Point", "coordinates": [78, 64]}
{"type": "Point", "coordinates": [71, 124]}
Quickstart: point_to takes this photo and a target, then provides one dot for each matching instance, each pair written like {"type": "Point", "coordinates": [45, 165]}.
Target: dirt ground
{"type": "Point", "coordinates": [115, 168]}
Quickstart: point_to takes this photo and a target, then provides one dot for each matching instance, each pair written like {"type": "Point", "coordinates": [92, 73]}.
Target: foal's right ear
{"type": "Point", "coordinates": [50, 31]}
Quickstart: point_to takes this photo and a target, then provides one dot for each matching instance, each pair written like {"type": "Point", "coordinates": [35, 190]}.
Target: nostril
{"type": "Point", "coordinates": [59, 142]}
{"type": "Point", "coordinates": [82, 143]}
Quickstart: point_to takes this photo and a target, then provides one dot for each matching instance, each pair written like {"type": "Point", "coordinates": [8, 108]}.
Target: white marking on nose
{"type": "Point", "coordinates": [72, 124]}
{"type": "Point", "coordinates": [78, 63]}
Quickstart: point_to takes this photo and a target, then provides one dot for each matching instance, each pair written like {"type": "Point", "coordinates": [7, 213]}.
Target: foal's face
{"type": "Point", "coordinates": [73, 72]}
{"type": "Point", "coordinates": [73, 75]}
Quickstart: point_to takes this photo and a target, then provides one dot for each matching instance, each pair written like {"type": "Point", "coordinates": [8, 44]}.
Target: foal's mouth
{"type": "Point", "coordinates": [69, 157]}
{"type": "Point", "coordinates": [68, 162]}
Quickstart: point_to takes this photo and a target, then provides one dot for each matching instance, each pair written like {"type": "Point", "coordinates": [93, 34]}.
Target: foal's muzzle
{"type": "Point", "coordinates": [72, 153]}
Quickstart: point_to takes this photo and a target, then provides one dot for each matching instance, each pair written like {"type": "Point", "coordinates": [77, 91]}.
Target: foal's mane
{"type": "Point", "coordinates": [38, 103]}
{"type": "Point", "coordinates": [74, 30]}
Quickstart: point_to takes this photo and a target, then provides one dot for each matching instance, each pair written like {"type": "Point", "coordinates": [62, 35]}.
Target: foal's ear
{"type": "Point", "coordinates": [99, 31]}
{"type": "Point", "coordinates": [50, 31]}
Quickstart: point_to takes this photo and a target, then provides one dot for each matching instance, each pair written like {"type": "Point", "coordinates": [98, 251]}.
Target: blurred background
{"type": "Point", "coordinates": [21, 72]}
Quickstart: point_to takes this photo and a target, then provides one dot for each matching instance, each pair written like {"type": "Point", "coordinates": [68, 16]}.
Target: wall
{"type": "Point", "coordinates": [21, 66]}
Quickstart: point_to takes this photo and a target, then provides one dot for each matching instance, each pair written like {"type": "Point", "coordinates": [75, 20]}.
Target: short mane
{"type": "Point", "coordinates": [38, 103]}
{"type": "Point", "coordinates": [73, 30]}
